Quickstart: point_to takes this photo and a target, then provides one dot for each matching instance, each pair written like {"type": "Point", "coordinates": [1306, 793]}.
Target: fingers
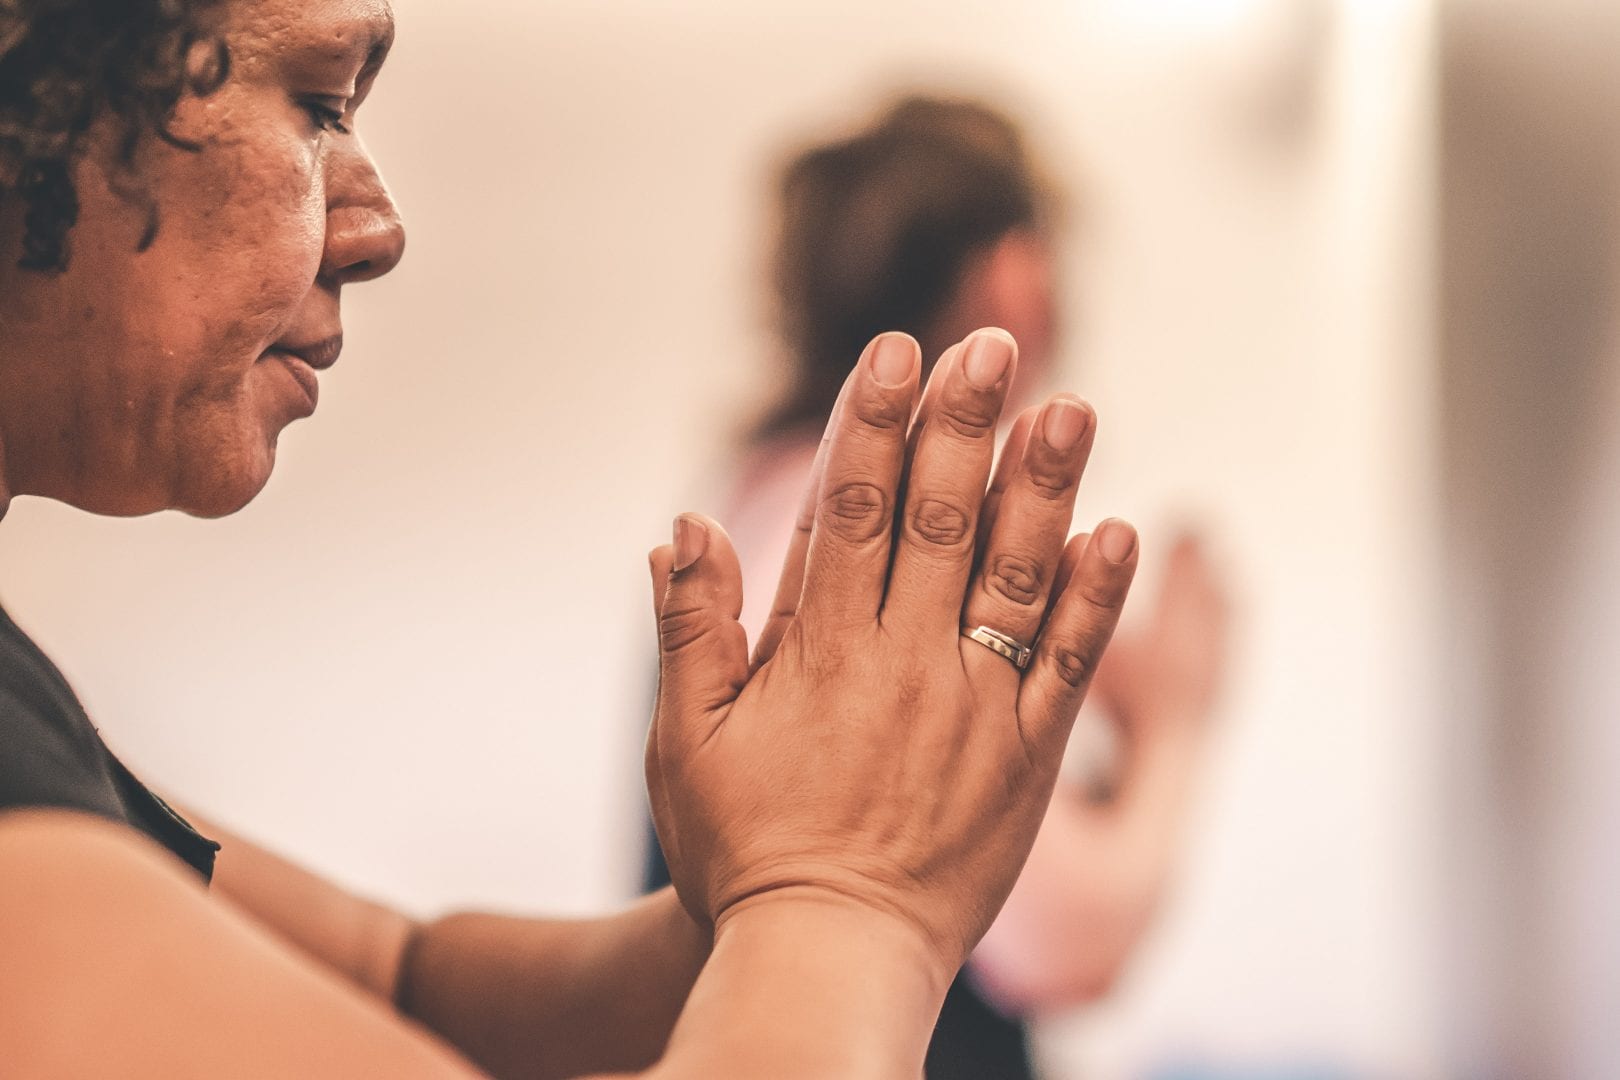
{"type": "Point", "coordinates": [661, 564]}
{"type": "Point", "coordinates": [1020, 560]}
{"type": "Point", "coordinates": [1082, 621]}
{"type": "Point", "coordinates": [1012, 453]}
{"type": "Point", "coordinates": [848, 554]}
{"type": "Point", "coordinates": [703, 651]}
{"type": "Point", "coordinates": [790, 587]}
{"type": "Point", "coordinates": [1072, 551]}
{"type": "Point", "coordinates": [954, 446]}
{"type": "Point", "coordinates": [785, 607]}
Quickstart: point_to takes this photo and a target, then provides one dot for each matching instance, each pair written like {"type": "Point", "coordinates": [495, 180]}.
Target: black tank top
{"type": "Point", "coordinates": [51, 756]}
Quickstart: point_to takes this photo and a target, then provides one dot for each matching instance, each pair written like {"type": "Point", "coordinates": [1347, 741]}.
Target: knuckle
{"type": "Point", "coordinates": [1074, 666]}
{"type": "Point", "coordinates": [856, 512]}
{"type": "Point", "coordinates": [970, 418]}
{"type": "Point", "coordinates": [940, 523]}
{"type": "Point", "coordinates": [886, 412]}
{"type": "Point", "coordinates": [1051, 481]}
{"type": "Point", "coordinates": [1015, 578]}
{"type": "Point", "coordinates": [1105, 595]}
{"type": "Point", "coordinates": [681, 627]}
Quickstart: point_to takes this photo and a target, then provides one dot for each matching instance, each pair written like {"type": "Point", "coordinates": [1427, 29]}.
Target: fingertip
{"type": "Point", "coordinates": [996, 331]}
{"type": "Point", "coordinates": [1014, 449]}
{"type": "Point", "coordinates": [1066, 421]}
{"type": "Point", "coordinates": [659, 562]}
{"type": "Point", "coordinates": [660, 559]}
{"type": "Point", "coordinates": [704, 559]}
{"type": "Point", "coordinates": [989, 357]}
{"type": "Point", "coordinates": [938, 374]}
{"type": "Point", "coordinates": [1073, 552]}
{"type": "Point", "coordinates": [691, 541]}
{"type": "Point", "coordinates": [892, 359]}
{"type": "Point", "coordinates": [1068, 563]}
{"type": "Point", "coordinates": [1116, 541]}
{"type": "Point", "coordinates": [1022, 425]}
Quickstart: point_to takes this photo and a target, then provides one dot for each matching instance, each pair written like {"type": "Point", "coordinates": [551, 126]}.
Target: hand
{"type": "Point", "coordinates": [1103, 862]}
{"type": "Point", "coordinates": [872, 755]}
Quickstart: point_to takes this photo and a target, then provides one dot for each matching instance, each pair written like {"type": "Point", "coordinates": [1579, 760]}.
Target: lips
{"type": "Point", "coordinates": [302, 361]}
{"type": "Point", "coordinates": [319, 355]}
{"type": "Point", "coordinates": [302, 373]}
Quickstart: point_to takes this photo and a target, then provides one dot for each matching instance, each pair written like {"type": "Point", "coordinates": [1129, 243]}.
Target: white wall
{"type": "Point", "coordinates": [1585, 954]}
{"type": "Point", "coordinates": [418, 661]}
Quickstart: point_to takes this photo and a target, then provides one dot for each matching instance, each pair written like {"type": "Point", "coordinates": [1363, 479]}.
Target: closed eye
{"type": "Point", "coordinates": [326, 114]}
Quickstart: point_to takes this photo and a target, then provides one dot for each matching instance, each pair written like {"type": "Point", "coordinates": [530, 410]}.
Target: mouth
{"type": "Point", "coordinates": [319, 355]}
{"type": "Point", "coordinates": [302, 362]}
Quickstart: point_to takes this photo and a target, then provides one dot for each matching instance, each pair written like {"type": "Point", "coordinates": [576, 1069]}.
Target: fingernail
{"type": "Point", "coordinates": [1065, 423]}
{"type": "Point", "coordinates": [691, 541]}
{"type": "Point", "coordinates": [1116, 540]}
{"type": "Point", "coordinates": [894, 355]}
{"type": "Point", "coordinates": [989, 354]}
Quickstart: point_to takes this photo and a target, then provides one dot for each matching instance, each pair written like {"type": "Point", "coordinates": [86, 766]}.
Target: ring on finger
{"type": "Point", "coordinates": [1003, 645]}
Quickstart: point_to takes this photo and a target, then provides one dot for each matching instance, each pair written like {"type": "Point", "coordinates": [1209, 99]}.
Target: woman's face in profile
{"type": "Point", "coordinates": [142, 381]}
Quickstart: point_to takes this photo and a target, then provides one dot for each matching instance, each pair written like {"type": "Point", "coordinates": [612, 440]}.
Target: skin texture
{"type": "Point", "coordinates": [768, 800]}
{"type": "Point", "coordinates": [518, 996]}
{"type": "Point", "coordinates": [138, 382]}
{"type": "Point", "coordinates": [1105, 859]}
{"type": "Point", "coordinates": [799, 793]}
{"type": "Point", "coordinates": [841, 883]}
{"type": "Point", "coordinates": [906, 641]}
{"type": "Point", "coordinates": [1105, 856]}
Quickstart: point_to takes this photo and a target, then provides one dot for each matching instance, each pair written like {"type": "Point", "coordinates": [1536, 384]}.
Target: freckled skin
{"type": "Point", "coordinates": [138, 381]}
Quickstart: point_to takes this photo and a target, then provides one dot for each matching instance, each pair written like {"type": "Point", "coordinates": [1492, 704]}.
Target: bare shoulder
{"type": "Point", "coordinates": [103, 932]}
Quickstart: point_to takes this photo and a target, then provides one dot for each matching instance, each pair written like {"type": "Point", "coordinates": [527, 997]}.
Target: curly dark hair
{"type": "Point", "coordinates": [66, 65]}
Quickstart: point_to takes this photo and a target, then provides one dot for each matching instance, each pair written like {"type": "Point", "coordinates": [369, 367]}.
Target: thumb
{"type": "Point", "coordinates": [703, 650]}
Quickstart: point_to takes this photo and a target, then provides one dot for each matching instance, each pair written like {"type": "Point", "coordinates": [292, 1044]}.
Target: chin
{"type": "Point", "coordinates": [213, 500]}
{"type": "Point", "coordinates": [222, 505]}
{"type": "Point", "coordinates": [227, 490]}
{"type": "Point", "coordinates": [210, 478]}
{"type": "Point", "coordinates": [215, 477]}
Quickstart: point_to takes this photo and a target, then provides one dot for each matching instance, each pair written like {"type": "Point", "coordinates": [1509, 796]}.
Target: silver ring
{"type": "Point", "coordinates": [1002, 645]}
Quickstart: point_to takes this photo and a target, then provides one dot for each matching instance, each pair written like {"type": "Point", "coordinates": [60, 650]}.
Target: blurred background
{"type": "Point", "coordinates": [1341, 285]}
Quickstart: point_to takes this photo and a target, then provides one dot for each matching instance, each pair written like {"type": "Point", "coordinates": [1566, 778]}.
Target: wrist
{"type": "Point", "coordinates": [680, 924]}
{"type": "Point", "coordinates": [805, 982]}
{"type": "Point", "coordinates": [894, 940]}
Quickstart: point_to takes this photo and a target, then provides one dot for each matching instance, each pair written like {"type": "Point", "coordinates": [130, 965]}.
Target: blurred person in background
{"type": "Point", "coordinates": [936, 218]}
{"type": "Point", "coordinates": [183, 201]}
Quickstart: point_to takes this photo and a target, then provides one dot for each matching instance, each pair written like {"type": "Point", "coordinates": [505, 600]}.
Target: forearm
{"type": "Point", "coordinates": [808, 987]}
{"type": "Point", "coordinates": [533, 998]}
{"type": "Point", "coordinates": [357, 938]}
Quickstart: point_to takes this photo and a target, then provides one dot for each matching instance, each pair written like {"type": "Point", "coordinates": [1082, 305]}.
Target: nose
{"type": "Point", "coordinates": [365, 237]}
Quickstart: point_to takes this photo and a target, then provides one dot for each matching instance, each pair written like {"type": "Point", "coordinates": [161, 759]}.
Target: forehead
{"type": "Point", "coordinates": [358, 29]}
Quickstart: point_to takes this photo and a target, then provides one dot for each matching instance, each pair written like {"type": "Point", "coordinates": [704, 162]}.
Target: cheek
{"type": "Point", "coordinates": [247, 225]}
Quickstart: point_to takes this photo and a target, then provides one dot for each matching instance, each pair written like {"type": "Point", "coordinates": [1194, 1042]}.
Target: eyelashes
{"type": "Point", "coordinates": [326, 114]}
